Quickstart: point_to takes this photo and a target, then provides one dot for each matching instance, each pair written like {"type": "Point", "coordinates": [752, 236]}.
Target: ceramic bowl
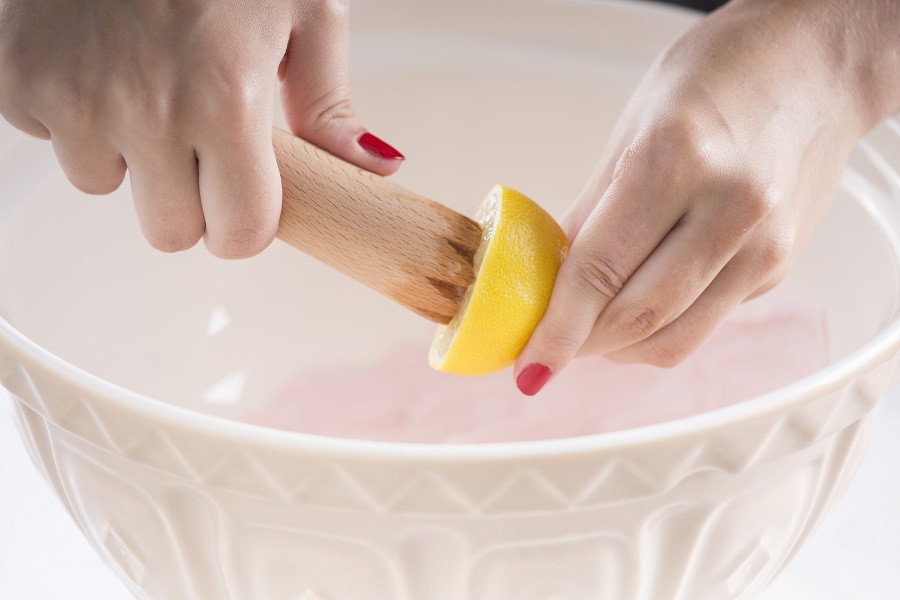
{"type": "Point", "coordinates": [131, 369]}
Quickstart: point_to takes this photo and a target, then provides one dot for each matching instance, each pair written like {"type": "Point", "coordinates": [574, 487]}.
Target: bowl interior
{"type": "Point", "coordinates": [481, 101]}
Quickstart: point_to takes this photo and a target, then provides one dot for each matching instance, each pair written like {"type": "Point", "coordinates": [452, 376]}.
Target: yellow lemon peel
{"type": "Point", "coordinates": [521, 249]}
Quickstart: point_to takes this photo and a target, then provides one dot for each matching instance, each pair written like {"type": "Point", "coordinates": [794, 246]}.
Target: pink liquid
{"type": "Point", "coordinates": [401, 399]}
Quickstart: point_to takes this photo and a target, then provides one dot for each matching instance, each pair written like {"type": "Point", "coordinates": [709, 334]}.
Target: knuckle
{"type": "Point", "coordinates": [246, 94]}
{"type": "Point", "coordinates": [335, 9]}
{"type": "Point", "coordinates": [678, 134]}
{"type": "Point", "coordinates": [230, 94]}
{"type": "Point", "coordinates": [562, 341]}
{"type": "Point", "coordinates": [628, 161]}
{"type": "Point", "coordinates": [331, 109]}
{"type": "Point", "coordinates": [674, 148]}
{"type": "Point", "coordinates": [774, 254]}
{"type": "Point", "coordinates": [756, 199]}
{"type": "Point", "coordinates": [643, 321]}
{"type": "Point", "coordinates": [83, 184]}
{"type": "Point", "coordinates": [239, 106]}
{"type": "Point", "coordinates": [678, 148]}
{"type": "Point", "coordinates": [240, 242]}
{"type": "Point", "coordinates": [600, 276]}
{"type": "Point", "coordinates": [22, 121]}
{"type": "Point", "coordinates": [665, 354]}
{"type": "Point", "coordinates": [150, 117]}
{"type": "Point", "coordinates": [93, 184]}
{"type": "Point", "coordinates": [75, 106]}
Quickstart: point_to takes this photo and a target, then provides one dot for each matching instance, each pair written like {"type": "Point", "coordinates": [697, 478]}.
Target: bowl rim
{"type": "Point", "coordinates": [880, 348]}
{"type": "Point", "coordinates": [883, 346]}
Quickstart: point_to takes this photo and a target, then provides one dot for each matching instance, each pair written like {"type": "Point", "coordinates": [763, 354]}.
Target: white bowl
{"type": "Point", "coordinates": [132, 369]}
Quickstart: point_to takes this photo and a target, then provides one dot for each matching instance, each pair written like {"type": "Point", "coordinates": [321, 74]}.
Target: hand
{"type": "Point", "coordinates": [181, 93]}
{"type": "Point", "coordinates": [718, 171]}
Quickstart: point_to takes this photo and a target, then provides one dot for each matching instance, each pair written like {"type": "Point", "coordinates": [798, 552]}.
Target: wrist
{"type": "Point", "coordinates": [856, 42]}
{"type": "Point", "coordinates": [876, 28]}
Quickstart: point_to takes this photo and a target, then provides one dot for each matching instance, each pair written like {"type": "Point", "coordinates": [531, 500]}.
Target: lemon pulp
{"type": "Point", "coordinates": [521, 249]}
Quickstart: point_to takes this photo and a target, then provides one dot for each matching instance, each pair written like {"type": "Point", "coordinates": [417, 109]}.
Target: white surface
{"type": "Point", "coordinates": [853, 555]}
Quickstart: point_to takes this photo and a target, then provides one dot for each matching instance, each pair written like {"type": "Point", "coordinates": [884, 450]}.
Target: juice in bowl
{"type": "Point", "coordinates": [776, 341]}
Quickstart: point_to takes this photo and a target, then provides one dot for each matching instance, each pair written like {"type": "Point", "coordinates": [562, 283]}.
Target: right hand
{"type": "Point", "coordinates": [180, 93]}
{"type": "Point", "coordinates": [715, 177]}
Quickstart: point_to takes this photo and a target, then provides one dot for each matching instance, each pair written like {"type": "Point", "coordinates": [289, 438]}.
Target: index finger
{"type": "Point", "coordinates": [634, 215]}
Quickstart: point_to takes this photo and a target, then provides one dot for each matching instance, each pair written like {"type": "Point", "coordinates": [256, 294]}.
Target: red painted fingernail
{"type": "Point", "coordinates": [378, 147]}
{"type": "Point", "coordinates": [532, 378]}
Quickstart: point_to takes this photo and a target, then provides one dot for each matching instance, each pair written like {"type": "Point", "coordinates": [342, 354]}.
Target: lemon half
{"type": "Point", "coordinates": [521, 249]}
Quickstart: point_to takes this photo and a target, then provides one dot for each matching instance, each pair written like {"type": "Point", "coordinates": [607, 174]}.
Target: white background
{"type": "Point", "coordinates": [854, 555]}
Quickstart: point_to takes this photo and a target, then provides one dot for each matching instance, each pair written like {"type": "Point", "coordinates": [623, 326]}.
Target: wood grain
{"type": "Point", "coordinates": [404, 245]}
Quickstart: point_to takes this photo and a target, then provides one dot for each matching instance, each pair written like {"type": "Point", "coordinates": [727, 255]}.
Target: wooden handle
{"type": "Point", "coordinates": [405, 246]}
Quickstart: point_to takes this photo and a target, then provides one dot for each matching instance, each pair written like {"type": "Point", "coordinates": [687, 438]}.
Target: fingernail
{"type": "Point", "coordinates": [378, 147]}
{"type": "Point", "coordinates": [532, 378]}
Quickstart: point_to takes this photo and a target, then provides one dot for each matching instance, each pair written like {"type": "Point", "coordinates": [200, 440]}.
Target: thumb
{"type": "Point", "coordinates": [316, 91]}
